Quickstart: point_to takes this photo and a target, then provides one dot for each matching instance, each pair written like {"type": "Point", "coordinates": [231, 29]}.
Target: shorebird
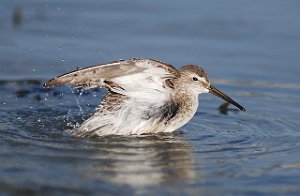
{"type": "Point", "coordinates": [144, 96]}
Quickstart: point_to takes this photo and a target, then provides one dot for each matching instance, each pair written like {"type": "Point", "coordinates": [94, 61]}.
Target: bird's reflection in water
{"type": "Point", "coordinates": [143, 160]}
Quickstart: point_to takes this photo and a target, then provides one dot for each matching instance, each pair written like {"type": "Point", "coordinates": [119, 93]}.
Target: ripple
{"type": "Point", "coordinates": [211, 148]}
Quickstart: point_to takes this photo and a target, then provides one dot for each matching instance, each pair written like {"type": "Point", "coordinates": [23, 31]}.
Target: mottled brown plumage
{"type": "Point", "coordinates": [144, 96]}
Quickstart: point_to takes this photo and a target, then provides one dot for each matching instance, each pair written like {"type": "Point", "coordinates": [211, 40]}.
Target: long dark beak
{"type": "Point", "coordinates": [218, 93]}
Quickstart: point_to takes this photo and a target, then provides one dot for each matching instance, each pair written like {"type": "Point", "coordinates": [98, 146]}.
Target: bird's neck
{"type": "Point", "coordinates": [187, 106]}
{"type": "Point", "coordinates": [187, 101]}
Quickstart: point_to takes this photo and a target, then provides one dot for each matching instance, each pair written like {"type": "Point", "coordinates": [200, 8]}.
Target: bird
{"type": "Point", "coordinates": [144, 96]}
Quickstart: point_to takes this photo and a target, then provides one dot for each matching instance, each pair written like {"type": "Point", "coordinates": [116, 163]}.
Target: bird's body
{"type": "Point", "coordinates": [144, 96]}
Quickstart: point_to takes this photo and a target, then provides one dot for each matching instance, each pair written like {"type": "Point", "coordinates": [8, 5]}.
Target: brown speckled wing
{"type": "Point", "coordinates": [95, 76]}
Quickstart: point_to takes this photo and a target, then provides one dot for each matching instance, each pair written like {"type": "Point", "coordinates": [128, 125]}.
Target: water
{"type": "Point", "coordinates": [249, 48]}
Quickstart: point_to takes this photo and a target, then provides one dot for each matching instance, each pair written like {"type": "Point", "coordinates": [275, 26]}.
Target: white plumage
{"type": "Point", "coordinates": [145, 96]}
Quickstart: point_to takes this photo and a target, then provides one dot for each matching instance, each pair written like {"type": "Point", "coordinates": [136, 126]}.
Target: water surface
{"type": "Point", "coordinates": [250, 50]}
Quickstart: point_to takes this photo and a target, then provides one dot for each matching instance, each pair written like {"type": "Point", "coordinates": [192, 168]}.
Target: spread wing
{"type": "Point", "coordinates": [139, 89]}
{"type": "Point", "coordinates": [132, 76]}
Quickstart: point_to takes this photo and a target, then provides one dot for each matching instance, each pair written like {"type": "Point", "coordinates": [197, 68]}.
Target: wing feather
{"type": "Point", "coordinates": [121, 72]}
{"type": "Point", "coordinates": [139, 89]}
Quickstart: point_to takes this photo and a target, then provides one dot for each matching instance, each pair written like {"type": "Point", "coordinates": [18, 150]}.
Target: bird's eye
{"type": "Point", "coordinates": [195, 79]}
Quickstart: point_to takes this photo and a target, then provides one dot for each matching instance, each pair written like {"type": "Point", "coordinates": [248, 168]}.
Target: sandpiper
{"type": "Point", "coordinates": [144, 96]}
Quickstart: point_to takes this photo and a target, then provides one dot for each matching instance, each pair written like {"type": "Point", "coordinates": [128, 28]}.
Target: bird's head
{"type": "Point", "coordinates": [195, 79]}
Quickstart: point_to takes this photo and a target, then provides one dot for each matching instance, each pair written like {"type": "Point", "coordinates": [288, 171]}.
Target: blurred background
{"type": "Point", "coordinates": [250, 49]}
{"type": "Point", "coordinates": [232, 40]}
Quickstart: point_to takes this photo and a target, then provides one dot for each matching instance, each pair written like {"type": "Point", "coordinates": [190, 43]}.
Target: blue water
{"type": "Point", "coordinates": [250, 50]}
